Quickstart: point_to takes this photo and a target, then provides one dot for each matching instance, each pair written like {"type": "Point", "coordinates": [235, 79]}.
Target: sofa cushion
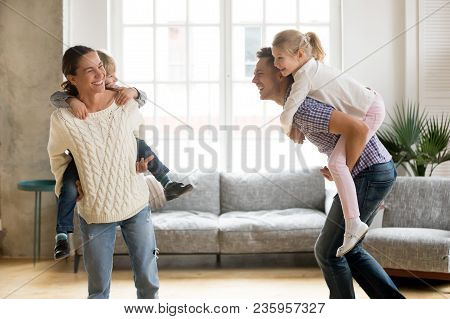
{"type": "Point", "coordinates": [418, 249]}
{"type": "Point", "coordinates": [270, 231]}
{"type": "Point", "coordinates": [252, 192]}
{"type": "Point", "coordinates": [186, 232]}
{"type": "Point", "coordinates": [418, 202]}
{"type": "Point", "coordinates": [205, 197]}
{"type": "Point", "coordinates": [176, 232]}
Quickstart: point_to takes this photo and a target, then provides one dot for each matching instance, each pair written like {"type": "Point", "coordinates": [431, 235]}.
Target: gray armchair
{"type": "Point", "coordinates": [415, 237]}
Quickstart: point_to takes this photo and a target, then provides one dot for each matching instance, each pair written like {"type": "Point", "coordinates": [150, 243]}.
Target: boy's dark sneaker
{"type": "Point", "coordinates": [174, 190]}
{"type": "Point", "coordinates": [62, 249]}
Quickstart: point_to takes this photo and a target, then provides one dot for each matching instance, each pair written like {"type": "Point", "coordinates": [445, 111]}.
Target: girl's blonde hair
{"type": "Point", "coordinates": [108, 62]}
{"type": "Point", "coordinates": [293, 40]}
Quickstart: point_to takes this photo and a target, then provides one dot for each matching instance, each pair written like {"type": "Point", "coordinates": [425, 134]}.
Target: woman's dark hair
{"type": "Point", "coordinates": [70, 64]}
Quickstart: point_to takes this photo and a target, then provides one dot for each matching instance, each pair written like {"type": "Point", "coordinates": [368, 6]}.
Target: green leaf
{"type": "Point", "coordinates": [414, 140]}
{"type": "Point", "coordinates": [443, 158]}
{"type": "Point", "coordinates": [435, 137]}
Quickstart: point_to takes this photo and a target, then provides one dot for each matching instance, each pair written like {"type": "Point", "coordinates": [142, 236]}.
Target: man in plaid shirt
{"type": "Point", "coordinates": [373, 172]}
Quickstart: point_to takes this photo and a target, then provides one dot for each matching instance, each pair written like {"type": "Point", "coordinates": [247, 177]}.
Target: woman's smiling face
{"type": "Point", "coordinates": [90, 74]}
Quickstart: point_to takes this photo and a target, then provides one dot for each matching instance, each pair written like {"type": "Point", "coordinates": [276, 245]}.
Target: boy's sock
{"type": "Point", "coordinates": [61, 236]}
{"type": "Point", "coordinates": [165, 180]}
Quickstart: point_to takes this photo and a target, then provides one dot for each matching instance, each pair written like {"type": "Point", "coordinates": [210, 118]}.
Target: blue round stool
{"type": "Point", "coordinates": [37, 186]}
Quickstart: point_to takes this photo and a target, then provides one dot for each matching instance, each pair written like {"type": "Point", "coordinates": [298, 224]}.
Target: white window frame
{"type": "Point", "coordinates": [114, 40]}
{"type": "Point", "coordinates": [116, 33]}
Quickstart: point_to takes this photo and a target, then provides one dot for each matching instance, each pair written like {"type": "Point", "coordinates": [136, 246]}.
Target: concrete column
{"type": "Point", "coordinates": [30, 63]}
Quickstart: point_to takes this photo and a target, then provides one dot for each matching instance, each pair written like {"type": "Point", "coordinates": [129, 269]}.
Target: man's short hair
{"type": "Point", "coordinates": [267, 54]}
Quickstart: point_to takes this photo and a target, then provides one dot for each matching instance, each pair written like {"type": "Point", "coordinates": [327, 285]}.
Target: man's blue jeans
{"type": "Point", "coordinates": [98, 249]}
{"type": "Point", "coordinates": [372, 186]}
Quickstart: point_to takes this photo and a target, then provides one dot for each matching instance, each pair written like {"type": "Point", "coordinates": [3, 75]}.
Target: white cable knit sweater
{"type": "Point", "coordinates": [104, 148]}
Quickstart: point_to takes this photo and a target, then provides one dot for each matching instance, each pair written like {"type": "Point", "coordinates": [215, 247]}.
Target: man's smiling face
{"type": "Point", "coordinates": [265, 78]}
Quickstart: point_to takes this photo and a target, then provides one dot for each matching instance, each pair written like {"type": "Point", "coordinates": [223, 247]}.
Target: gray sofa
{"type": "Point", "coordinates": [284, 213]}
{"type": "Point", "coordinates": [415, 236]}
{"type": "Point", "coordinates": [236, 214]}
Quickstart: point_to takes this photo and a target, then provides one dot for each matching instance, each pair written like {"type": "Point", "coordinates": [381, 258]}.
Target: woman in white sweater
{"type": "Point", "coordinates": [104, 149]}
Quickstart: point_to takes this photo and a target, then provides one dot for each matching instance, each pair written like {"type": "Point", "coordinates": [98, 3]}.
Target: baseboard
{"type": "Point", "coordinates": [419, 274]}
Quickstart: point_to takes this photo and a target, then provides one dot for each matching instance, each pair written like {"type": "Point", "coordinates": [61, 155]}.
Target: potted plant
{"type": "Point", "coordinates": [417, 142]}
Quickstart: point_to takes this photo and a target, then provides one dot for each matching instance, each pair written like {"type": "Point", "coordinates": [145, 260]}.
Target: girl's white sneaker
{"type": "Point", "coordinates": [355, 232]}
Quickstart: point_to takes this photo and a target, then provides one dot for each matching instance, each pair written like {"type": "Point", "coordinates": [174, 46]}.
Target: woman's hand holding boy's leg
{"type": "Point", "coordinates": [142, 165]}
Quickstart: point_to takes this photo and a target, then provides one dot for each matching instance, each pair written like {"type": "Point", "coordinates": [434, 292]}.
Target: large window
{"type": "Point", "coordinates": [195, 60]}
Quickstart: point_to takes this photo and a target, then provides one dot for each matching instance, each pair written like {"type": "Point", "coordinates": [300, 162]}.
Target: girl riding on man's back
{"type": "Point", "coordinates": [301, 55]}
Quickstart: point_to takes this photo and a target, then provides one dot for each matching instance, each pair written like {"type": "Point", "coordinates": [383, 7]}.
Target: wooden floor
{"type": "Point", "coordinates": [277, 277]}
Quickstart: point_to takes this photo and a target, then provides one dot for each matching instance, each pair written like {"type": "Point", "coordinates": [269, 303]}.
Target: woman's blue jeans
{"type": "Point", "coordinates": [372, 185]}
{"type": "Point", "coordinates": [98, 250]}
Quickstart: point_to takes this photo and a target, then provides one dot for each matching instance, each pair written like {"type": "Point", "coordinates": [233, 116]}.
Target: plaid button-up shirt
{"type": "Point", "coordinates": [313, 118]}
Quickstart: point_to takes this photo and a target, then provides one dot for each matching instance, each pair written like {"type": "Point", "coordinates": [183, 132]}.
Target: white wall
{"type": "Point", "coordinates": [368, 29]}
{"type": "Point", "coordinates": [412, 50]}
{"type": "Point", "coordinates": [88, 21]}
{"type": "Point", "coordinates": [368, 48]}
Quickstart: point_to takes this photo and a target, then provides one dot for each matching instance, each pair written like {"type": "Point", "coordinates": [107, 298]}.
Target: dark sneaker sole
{"type": "Point", "coordinates": [186, 189]}
{"type": "Point", "coordinates": [61, 255]}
